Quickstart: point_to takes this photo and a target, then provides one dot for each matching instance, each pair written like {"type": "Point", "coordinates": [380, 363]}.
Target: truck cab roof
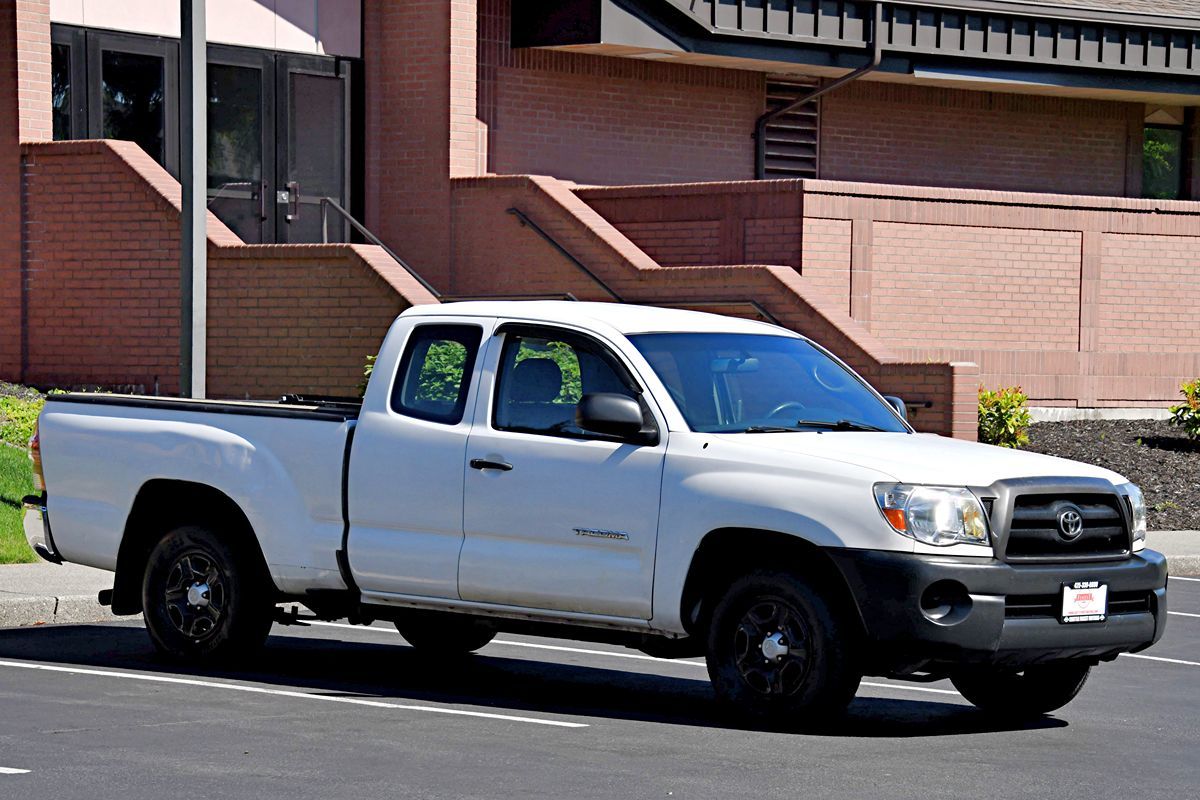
{"type": "Point", "coordinates": [624, 318]}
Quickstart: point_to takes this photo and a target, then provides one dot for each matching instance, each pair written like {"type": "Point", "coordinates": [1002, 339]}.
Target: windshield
{"type": "Point", "coordinates": [751, 383]}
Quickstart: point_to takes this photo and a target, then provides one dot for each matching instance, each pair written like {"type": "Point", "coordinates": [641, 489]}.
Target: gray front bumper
{"type": "Point", "coordinates": [37, 528]}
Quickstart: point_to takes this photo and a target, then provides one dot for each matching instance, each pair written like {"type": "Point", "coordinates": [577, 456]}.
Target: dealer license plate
{"type": "Point", "coordinates": [1084, 601]}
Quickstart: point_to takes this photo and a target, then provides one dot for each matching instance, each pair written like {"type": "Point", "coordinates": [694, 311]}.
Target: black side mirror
{"type": "Point", "coordinates": [610, 414]}
{"type": "Point", "coordinates": [898, 404]}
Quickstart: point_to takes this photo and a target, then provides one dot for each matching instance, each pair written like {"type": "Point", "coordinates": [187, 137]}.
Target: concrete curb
{"type": "Point", "coordinates": [22, 610]}
{"type": "Point", "coordinates": [1184, 566]}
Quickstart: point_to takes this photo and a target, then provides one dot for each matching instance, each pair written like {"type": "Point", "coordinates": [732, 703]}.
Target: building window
{"type": "Point", "coordinates": [132, 88]}
{"type": "Point", "coordinates": [1163, 161]}
{"type": "Point", "coordinates": [60, 89]}
{"type": "Point", "coordinates": [280, 127]}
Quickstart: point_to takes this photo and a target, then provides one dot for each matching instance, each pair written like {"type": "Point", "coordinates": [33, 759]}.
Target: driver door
{"type": "Point", "coordinates": [555, 518]}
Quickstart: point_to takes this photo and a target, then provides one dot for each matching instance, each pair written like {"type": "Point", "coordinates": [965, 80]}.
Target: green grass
{"type": "Point", "coordinates": [16, 481]}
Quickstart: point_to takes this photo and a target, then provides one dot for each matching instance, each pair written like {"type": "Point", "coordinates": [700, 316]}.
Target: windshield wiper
{"type": "Point", "coordinates": [768, 429]}
{"type": "Point", "coordinates": [840, 425]}
{"type": "Point", "coordinates": [808, 424]}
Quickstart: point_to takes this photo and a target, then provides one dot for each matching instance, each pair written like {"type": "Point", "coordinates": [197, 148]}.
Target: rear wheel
{"type": "Point", "coordinates": [447, 637]}
{"type": "Point", "coordinates": [779, 652]}
{"type": "Point", "coordinates": [202, 599]}
{"type": "Point", "coordinates": [1030, 692]}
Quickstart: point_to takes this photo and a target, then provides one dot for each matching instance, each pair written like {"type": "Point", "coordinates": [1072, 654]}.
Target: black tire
{"type": "Point", "coordinates": [446, 636]}
{"type": "Point", "coordinates": [760, 682]}
{"type": "Point", "coordinates": [228, 621]}
{"type": "Point", "coordinates": [1030, 692]}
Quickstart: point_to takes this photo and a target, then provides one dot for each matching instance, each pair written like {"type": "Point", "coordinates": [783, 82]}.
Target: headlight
{"type": "Point", "coordinates": [1137, 507]}
{"type": "Point", "coordinates": [933, 514]}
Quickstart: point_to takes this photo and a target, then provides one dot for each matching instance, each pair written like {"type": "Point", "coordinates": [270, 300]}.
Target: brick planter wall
{"type": "Point", "coordinates": [1085, 301]}
{"type": "Point", "coordinates": [101, 232]}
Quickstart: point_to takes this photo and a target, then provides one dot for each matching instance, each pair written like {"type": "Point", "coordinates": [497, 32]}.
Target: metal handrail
{"type": "Point", "coordinates": [528, 223]}
{"type": "Point", "coordinates": [329, 202]}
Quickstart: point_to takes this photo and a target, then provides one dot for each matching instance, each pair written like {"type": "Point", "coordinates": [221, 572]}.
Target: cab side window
{"type": "Point", "coordinates": [435, 372]}
{"type": "Point", "coordinates": [543, 378]}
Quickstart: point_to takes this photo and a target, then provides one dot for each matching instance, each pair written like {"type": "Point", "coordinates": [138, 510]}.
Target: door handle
{"type": "Point", "coordinates": [482, 463]}
{"type": "Point", "coordinates": [289, 197]}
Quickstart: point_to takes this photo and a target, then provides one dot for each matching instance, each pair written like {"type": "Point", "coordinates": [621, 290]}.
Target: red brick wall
{"type": "Point", "coordinates": [594, 119]}
{"type": "Point", "coordinates": [1149, 293]}
{"type": "Point", "coordinates": [33, 64]}
{"type": "Point", "coordinates": [888, 133]}
{"type": "Point", "coordinates": [964, 286]}
{"type": "Point", "coordinates": [102, 255]}
{"type": "Point", "coordinates": [1084, 301]}
{"type": "Point", "coordinates": [10, 199]}
{"type": "Point", "coordinates": [739, 222]}
{"type": "Point", "coordinates": [627, 269]}
{"type": "Point", "coordinates": [407, 158]}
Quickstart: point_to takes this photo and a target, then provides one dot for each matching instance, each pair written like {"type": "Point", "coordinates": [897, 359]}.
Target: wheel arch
{"type": "Point", "coordinates": [162, 505]}
{"type": "Point", "coordinates": [724, 554]}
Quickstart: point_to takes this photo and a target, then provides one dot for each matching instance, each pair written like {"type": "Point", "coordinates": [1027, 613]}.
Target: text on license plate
{"type": "Point", "coordinates": [1084, 601]}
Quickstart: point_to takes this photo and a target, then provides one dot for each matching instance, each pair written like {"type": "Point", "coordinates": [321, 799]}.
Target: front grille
{"type": "Point", "coordinates": [1031, 606]}
{"type": "Point", "coordinates": [1034, 534]}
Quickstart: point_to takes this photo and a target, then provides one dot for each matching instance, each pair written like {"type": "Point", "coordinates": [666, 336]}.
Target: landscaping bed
{"type": "Point", "coordinates": [1153, 454]}
{"type": "Point", "coordinates": [16, 481]}
{"type": "Point", "coordinates": [19, 409]}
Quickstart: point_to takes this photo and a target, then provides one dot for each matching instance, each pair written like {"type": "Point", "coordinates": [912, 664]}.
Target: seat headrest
{"type": "Point", "coordinates": [535, 380]}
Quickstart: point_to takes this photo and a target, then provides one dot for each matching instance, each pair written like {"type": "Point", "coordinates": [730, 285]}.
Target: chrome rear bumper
{"type": "Point", "coordinates": [37, 528]}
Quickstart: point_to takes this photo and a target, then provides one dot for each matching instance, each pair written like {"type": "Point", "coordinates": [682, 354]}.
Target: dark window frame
{"type": "Point", "coordinates": [1181, 188]}
{"type": "Point", "coordinates": [470, 337]}
{"type": "Point", "coordinates": [99, 42]}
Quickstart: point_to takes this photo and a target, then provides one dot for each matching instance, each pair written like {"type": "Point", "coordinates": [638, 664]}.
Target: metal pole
{"type": "Point", "coordinates": [193, 173]}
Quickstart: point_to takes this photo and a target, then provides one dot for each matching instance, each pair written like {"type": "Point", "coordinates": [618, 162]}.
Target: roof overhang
{"type": "Point", "coordinates": [972, 44]}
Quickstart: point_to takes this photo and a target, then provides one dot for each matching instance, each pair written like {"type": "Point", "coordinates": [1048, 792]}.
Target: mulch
{"type": "Point", "coordinates": [1153, 454]}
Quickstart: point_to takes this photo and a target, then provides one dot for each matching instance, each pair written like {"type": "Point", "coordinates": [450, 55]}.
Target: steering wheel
{"type": "Point", "coordinates": [795, 405]}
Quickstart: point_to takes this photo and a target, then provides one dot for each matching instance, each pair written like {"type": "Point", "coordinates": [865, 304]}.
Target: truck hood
{"type": "Point", "coordinates": [924, 458]}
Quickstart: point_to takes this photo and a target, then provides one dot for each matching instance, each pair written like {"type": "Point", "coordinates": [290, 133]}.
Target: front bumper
{"type": "Point", "coordinates": [37, 528]}
{"type": "Point", "coordinates": [999, 613]}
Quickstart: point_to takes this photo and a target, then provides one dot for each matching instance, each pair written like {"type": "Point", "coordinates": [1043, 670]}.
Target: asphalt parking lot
{"type": "Point", "coordinates": [333, 711]}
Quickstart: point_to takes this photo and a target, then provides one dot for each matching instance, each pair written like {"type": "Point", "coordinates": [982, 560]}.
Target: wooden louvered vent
{"type": "Point", "coordinates": [792, 139]}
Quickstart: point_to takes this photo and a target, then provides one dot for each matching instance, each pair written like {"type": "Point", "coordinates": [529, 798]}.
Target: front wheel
{"type": "Point", "coordinates": [1030, 692]}
{"type": "Point", "coordinates": [202, 599]}
{"type": "Point", "coordinates": [780, 652]}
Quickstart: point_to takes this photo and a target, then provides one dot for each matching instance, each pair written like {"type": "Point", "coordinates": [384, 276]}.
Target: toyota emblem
{"type": "Point", "coordinates": [1070, 522]}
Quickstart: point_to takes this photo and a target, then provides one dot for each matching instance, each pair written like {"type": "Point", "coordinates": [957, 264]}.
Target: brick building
{"type": "Point", "coordinates": [1006, 192]}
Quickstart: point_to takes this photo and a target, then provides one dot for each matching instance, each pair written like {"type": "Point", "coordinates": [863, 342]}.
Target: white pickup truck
{"type": "Point", "coordinates": [683, 483]}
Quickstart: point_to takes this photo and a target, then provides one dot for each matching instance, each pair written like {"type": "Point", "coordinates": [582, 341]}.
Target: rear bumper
{"type": "Point", "coordinates": [922, 612]}
{"type": "Point", "coordinates": [36, 522]}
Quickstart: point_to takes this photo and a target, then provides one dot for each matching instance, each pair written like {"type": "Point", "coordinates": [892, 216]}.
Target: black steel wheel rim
{"type": "Point", "coordinates": [195, 595]}
{"type": "Point", "coordinates": [771, 648]}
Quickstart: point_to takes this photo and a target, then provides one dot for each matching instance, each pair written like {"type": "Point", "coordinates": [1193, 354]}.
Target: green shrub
{"type": "Point", "coordinates": [18, 416]}
{"type": "Point", "coordinates": [1187, 414]}
{"type": "Point", "coordinates": [368, 368]}
{"type": "Point", "coordinates": [1003, 417]}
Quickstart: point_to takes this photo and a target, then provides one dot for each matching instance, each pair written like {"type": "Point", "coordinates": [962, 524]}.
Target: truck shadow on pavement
{"type": "Point", "coordinates": [395, 672]}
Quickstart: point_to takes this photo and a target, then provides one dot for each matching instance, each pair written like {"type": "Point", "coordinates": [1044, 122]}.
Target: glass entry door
{"type": "Point", "coordinates": [278, 123]}
{"type": "Point", "coordinates": [241, 132]}
{"type": "Point", "coordinates": [312, 159]}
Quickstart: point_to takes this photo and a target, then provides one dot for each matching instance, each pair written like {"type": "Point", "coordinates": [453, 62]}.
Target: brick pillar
{"type": "Point", "coordinates": [24, 114]}
{"type": "Point", "coordinates": [10, 198]}
{"type": "Point", "coordinates": [421, 127]}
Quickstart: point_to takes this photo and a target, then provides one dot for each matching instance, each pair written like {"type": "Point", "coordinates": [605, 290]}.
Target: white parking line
{"type": "Point", "coordinates": [632, 656]}
{"type": "Point", "coordinates": [1181, 578]}
{"type": "Point", "coordinates": [1183, 614]}
{"type": "Point", "coordinates": [11, 771]}
{"type": "Point", "coordinates": [234, 687]}
{"type": "Point", "coordinates": [1160, 658]}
